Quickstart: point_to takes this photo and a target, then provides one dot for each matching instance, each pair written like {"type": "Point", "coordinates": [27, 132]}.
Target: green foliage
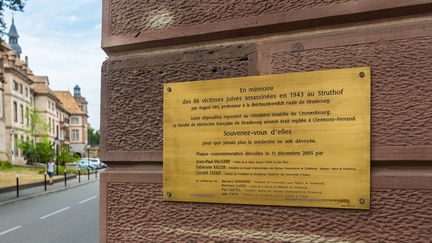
{"type": "Point", "coordinates": [93, 136]}
{"type": "Point", "coordinates": [5, 165]}
{"type": "Point", "coordinates": [37, 128]}
{"type": "Point", "coordinates": [14, 5]}
{"type": "Point", "coordinates": [69, 171]}
{"type": "Point", "coordinates": [66, 156]}
{"type": "Point", "coordinates": [28, 151]}
{"type": "Point", "coordinates": [44, 152]}
{"type": "Point", "coordinates": [39, 152]}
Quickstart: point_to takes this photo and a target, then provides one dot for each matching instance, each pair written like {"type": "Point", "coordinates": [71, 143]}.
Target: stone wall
{"type": "Point", "coordinates": [154, 42]}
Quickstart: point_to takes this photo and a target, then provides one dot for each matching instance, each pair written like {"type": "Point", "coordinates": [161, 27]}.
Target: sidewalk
{"type": "Point", "coordinates": [11, 196]}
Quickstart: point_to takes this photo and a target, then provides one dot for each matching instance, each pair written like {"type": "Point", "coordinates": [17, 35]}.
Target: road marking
{"type": "Point", "coordinates": [86, 200]}
{"type": "Point", "coordinates": [56, 212]}
{"type": "Point", "coordinates": [9, 230]}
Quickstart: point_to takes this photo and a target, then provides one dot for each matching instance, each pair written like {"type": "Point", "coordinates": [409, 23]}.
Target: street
{"type": "Point", "coordinates": [66, 216]}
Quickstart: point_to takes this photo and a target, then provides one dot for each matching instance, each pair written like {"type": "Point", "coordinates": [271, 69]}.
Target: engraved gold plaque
{"type": "Point", "coordinates": [296, 139]}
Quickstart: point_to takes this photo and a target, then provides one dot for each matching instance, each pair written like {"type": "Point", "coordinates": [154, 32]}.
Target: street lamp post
{"type": "Point", "coordinates": [56, 142]}
{"type": "Point", "coordinates": [34, 151]}
{"type": "Point", "coordinates": [13, 145]}
{"type": "Point", "coordinates": [88, 155]}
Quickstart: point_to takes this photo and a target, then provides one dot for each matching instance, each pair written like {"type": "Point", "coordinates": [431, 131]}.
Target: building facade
{"type": "Point", "coordinates": [3, 153]}
{"type": "Point", "coordinates": [21, 91]}
{"type": "Point", "coordinates": [64, 132]}
{"type": "Point", "coordinates": [46, 104]}
{"type": "Point", "coordinates": [18, 99]}
{"type": "Point", "coordinates": [153, 43]}
{"type": "Point", "coordinates": [74, 121]}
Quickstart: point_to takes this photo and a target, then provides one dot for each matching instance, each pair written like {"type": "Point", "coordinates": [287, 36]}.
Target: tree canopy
{"type": "Point", "coordinates": [37, 127]}
{"type": "Point", "coordinates": [93, 136]}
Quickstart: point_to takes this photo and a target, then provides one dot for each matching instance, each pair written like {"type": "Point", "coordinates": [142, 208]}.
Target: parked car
{"type": "Point", "coordinates": [97, 163]}
{"type": "Point", "coordinates": [86, 164]}
{"type": "Point", "coordinates": [104, 166]}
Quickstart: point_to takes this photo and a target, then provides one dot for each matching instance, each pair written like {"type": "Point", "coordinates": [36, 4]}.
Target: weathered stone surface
{"type": "Point", "coordinates": [137, 213]}
{"type": "Point", "coordinates": [401, 83]}
{"type": "Point", "coordinates": [129, 17]}
{"type": "Point", "coordinates": [135, 90]}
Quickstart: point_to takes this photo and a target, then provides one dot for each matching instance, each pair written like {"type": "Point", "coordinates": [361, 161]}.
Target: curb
{"type": "Point", "coordinates": [34, 184]}
{"type": "Point", "coordinates": [47, 192]}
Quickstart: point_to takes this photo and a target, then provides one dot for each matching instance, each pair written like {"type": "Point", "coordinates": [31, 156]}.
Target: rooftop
{"type": "Point", "coordinates": [69, 103]}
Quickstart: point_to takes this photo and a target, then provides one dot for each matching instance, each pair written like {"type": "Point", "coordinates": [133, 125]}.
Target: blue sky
{"type": "Point", "coordinates": [62, 40]}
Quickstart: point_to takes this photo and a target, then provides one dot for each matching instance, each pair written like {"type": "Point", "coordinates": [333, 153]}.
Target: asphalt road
{"type": "Point", "coordinates": [67, 216]}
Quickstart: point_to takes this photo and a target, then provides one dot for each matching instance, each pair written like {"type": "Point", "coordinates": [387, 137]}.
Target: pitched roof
{"type": "Point", "coordinates": [40, 79]}
{"type": "Point", "coordinates": [68, 102]}
{"type": "Point", "coordinates": [13, 59]}
{"type": "Point", "coordinates": [13, 31]}
{"type": "Point", "coordinates": [40, 86]}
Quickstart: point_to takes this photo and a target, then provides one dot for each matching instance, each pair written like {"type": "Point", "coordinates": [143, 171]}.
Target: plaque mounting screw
{"type": "Point", "coordinates": [169, 89]}
{"type": "Point", "coordinates": [361, 74]}
{"type": "Point", "coordinates": [168, 194]}
{"type": "Point", "coordinates": [362, 200]}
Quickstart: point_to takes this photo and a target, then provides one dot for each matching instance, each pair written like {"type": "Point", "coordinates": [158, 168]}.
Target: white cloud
{"type": "Point", "coordinates": [73, 18]}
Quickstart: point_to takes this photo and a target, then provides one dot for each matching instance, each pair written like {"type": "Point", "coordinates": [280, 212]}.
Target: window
{"type": "Point", "coordinates": [20, 88]}
{"type": "Point", "coordinates": [49, 122]}
{"type": "Point", "coordinates": [22, 113]}
{"type": "Point", "coordinates": [15, 111]}
{"type": "Point", "coordinates": [31, 101]}
{"type": "Point", "coordinates": [27, 116]}
{"type": "Point", "coordinates": [49, 105]}
{"type": "Point", "coordinates": [22, 139]}
{"type": "Point", "coordinates": [75, 134]}
{"type": "Point", "coordinates": [26, 92]}
{"type": "Point", "coordinates": [16, 145]}
{"type": "Point", "coordinates": [74, 120]}
{"type": "Point", "coordinates": [15, 85]}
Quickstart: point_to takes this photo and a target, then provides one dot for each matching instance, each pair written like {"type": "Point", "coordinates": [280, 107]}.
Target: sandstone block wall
{"type": "Point", "coordinates": [153, 42]}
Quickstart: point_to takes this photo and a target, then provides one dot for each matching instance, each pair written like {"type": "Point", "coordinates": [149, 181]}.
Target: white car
{"type": "Point", "coordinates": [97, 163]}
{"type": "Point", "coordinates": [84, 164]}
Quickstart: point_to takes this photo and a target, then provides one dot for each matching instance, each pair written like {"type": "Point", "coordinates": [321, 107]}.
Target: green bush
{"type": "Point", "coordinates": [5, 165]}
{"type": "Point", "coordinates": [41, 152]}
{"type": "Point", "coordinates": [66, 155]}
{"type": "Point", "coordinates": [61, 171]}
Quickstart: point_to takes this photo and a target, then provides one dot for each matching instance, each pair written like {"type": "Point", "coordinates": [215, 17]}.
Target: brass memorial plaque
{"type": "Point", "coordinates": [296, 139]}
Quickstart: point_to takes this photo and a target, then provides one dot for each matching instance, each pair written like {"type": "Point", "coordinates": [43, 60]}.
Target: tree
{"type": "Point", "coordinates": [93, 136]}
{"type": "Point", "coordinates": [14, 5]}
{"type": "Point", "coordinates": [66, 155]}
{"type": "Point", "coordinates": [37, 128]}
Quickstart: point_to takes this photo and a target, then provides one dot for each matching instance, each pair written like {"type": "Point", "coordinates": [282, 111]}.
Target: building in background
{"type": "Point", "coordinates": [13, 39]}
{"type": "Point", "coordinates": [64, 132]}
{"type": "Point", "coordinates": [20, 90]}
{"type": "Point", "coordinates": [77, 121]}
{"type": "Point", "coordinates": [18, 98]}
{"type": "Point", "coordinates": [2, 120]}
{"type": "Point", "coordinates": [46, 104]}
